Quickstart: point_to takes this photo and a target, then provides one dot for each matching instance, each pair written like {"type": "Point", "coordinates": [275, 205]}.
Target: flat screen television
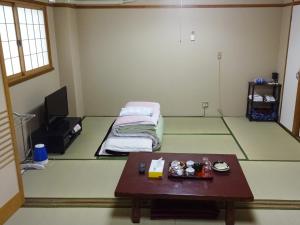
{"type": "Point", "coordinates": [56, 106]}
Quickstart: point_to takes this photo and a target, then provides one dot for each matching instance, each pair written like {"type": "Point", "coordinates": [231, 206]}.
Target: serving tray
{"type": "Point", "coordinates": [201, 176]}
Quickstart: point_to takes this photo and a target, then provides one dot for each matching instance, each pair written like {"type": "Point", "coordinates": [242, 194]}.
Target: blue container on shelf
{"type": "Point", "coordinates": [40, 154]}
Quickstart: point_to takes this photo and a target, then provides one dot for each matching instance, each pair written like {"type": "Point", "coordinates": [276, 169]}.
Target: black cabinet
{"type": "Point", "coordinates": [59, 136]}
{"type": "Point", "coordinates": [263, 101]}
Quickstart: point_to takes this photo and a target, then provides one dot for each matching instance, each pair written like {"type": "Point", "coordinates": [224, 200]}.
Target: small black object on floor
{"type": "Point", "coordinates": [183, 209]}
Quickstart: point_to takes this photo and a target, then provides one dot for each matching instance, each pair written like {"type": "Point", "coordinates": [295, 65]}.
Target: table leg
{"type": "Point", "coordinates": [229, 213]}
{"type": "Point", "coordinates": [136, 211]}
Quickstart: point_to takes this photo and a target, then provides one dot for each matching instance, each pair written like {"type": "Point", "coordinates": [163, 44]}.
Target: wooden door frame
{"type": "Point", "coordinates": [296, 123]}
{"type": "Point", "coordinates": [17, 201]}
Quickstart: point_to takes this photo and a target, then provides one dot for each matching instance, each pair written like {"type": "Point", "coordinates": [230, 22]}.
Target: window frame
{"type": "Point", "coordinates": [26, 75]}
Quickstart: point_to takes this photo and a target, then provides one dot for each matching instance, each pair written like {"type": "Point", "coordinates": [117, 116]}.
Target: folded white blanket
{"type": "Point", "coordinates": [126, 144]}
{"type": "Point", "coordinates": [136, 111]}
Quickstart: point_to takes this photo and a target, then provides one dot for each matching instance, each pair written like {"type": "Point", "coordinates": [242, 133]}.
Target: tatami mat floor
{"type": "Point", "coordinates": [194, 125]}
{"type": "Point", "coordinates": [264, 140]}
{"type": "Point", "coordinates": [89, 179]}
{"type": "Point", "coordinates": [270, 159]}
{"type": "Point", "coordinates": [119, 216]}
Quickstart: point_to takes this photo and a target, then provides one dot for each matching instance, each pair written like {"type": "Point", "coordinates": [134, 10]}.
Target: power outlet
{"type": "Point", "coordinates": [204, 105]}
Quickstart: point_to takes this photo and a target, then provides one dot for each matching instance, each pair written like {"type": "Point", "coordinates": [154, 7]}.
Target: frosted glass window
{"type": "Point", "coordinates": [28, 65]}
{"type": "Point", "coordinates": [9, 41]}
{"type": "Point", "coordinates": [2, 19]}
{"type": "Point", "coordinates": [23, 29]}
{"type": "Point", "coordinates": [11, 32]}
{"type": "Point", "coordinates": [5, 48]}
{"type": "Point", "coordinates": [41, 17]}
{"type": "Point", "coordinates": [44, 45]}
{"type": "Point", "coordinates": [26, 49]}
{"type": "Point", "coordinates": [3, 32]}
{"type": "Point", "coordinates": [34, 61]}
{"type": "Point", "coordinates": [16, 65]}
{"type": "Point", "coordinates": [33, 34]}
{"type": "Point", "coordinates": [40, 59]}
{"type": "Point", "coordinates": [38, 46]}
{"type": "Point", "coordinates": [9, 17]}
{"type": "Point", "coordinates": [21, 15]}
{"type": "Point", "coordinates": [37, 33]}
{"type": "Point", "coordinates": [32, 46]}
{"type": "Point", "coordinates": [13, 49]}
{"type": "Point", "coordinates": [31, 41]}
{"type": "Point", "coordinates": [42, 30]}
{"type": "Point", "coordinates": [35, 17]}
{"type": "Point", "coordinates": [28, 16]}
{"type": "Point", "coordinates": [46, 61]}
{"type": "Point", "coordinates": [30, 32]}
{"type": "Point", "coordinates": [8, 67]}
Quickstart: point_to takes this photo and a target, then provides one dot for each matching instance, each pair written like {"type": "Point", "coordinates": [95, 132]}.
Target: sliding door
{"type": "Point", "coordinates": [11, 190]}
{"type": "Point", "coordinates": [289, 111]}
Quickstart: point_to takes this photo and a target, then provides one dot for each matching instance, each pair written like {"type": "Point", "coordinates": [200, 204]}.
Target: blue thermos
{"type": "Point", "coordinates": [40, 154]}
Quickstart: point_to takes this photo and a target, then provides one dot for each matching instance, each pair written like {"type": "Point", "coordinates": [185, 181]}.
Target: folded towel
{"type": "Point", "coordinates": [270, 98]}
{"type": "Point", "coordinates": [256, 98]}
{"type": "Point", "coordinates": [136, 111]}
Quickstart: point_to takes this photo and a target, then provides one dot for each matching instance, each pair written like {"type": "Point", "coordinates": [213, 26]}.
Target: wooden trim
{"type": "Point", "coordinates": [14, 81]}
{"type": "Point", "coordinates": [20, 200]}
{"type": "Point", "coordinates": [18, 35]}
{"type": "Point", "coordinates": [48, 37]}
{"type": "Point", "coordinates": [288, 131]}
{"type": "Point", "coordinates": [10, 207]}
{"type": "Point", "coordinates": [286, 57]}
{"type": "Point", "coordinates": [297, 3]}
{"type": "Point", "coordinates": [296, 123]}
{"type": "Point", "coordinates": [170, 6]}
{"type": "Point", "coordinates": [27, 2]}
{"type": "Point", "coordinates": [127, 203]}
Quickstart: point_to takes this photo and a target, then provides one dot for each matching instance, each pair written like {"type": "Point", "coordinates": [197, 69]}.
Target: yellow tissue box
{"type": "Point", "coordinates": [156, 168]}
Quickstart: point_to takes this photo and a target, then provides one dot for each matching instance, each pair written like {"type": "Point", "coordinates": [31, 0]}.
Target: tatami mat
{"type": "Point", "coordinates": [86, 144]}
{"type": "Point", "coordinates": [95, 128]}
{"type": "Point", "coordinates": [273, 180]}
{"type": "Point", "coordinates": [264, 140]}
{"type": "Point", "coordinates": [98, 179]}
{"type": "Point", "coordinates": [74, 179]}
{"type": "Point", "coordinates": [194, 125]}
{"type": "Point", "coordinates": [109, 216]}
{"type": "Point", "coordinates": [217, 144]}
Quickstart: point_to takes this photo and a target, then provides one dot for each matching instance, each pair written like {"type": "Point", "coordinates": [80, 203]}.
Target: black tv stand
{"type": "Point", "coordinates": [58, 136]}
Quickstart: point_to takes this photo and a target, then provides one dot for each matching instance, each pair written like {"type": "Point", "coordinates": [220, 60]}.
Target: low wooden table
{"type": "Point", "coordinates": [227, 187]}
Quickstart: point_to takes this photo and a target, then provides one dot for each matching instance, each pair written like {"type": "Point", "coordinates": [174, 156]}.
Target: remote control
{"type": "Point", "coordinates": [142, 168]}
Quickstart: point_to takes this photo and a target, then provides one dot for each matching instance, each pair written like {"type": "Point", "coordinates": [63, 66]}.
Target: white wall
{"type": "Point", "coordinates": [69, 63]}
{"type": "Point", "coordinates": [293, 66]}
{"type": "Point", "coordinates": [135, 54]}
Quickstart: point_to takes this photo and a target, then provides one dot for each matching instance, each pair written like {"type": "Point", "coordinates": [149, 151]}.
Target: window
{"type": "Point", "coordinates": [24, 41]}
